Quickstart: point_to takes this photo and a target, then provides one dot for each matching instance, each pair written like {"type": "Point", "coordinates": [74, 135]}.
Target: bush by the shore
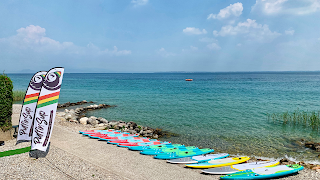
{"type": "Point", "coordinates": [6, 99]}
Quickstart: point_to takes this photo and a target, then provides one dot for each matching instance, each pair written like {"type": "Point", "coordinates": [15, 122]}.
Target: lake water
{"type": "Point", "coordinates": [224, 111]}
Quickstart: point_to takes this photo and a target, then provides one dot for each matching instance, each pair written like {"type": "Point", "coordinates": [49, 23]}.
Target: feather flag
{"type": "Point", "coordinates": [46, 109]}
{"type": "Point", "coordinates": [29, 107]}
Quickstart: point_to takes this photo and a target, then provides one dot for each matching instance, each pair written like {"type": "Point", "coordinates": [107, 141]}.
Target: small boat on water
{"type": "Point", "coordinates": [189, 79]}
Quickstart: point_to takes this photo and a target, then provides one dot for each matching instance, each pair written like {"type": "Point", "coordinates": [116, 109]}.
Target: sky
{"type": "Point", "coordinates": [143, 36]}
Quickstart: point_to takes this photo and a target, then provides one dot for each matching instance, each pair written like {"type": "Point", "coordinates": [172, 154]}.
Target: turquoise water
{"type": "Point", "coordinates": [224, 111]}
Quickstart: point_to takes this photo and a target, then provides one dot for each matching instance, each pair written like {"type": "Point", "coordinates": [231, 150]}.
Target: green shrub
{"type": "Point", "coordinates": [18, 95]}
{"type": "Point", "coordinates": [6, 98]}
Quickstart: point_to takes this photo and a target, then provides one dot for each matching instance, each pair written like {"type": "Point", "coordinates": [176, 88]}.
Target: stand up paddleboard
{"type": "Point", "coordinates": [141, 148]}
{"type": "Point", "coordinates": [197, 159]}
{"type": "Point", "coordinates": [181, 154]}
{"type": "Point", "coordinates": [240, 167]}
{"type": "Point", "coordinates": [127, 145]}
{"type": "Point", "coordinates": [168, 150]}
{"type": "Point", "coordinates": [265, 173]}
{"type": "Point", "coordinates": [219, 162]}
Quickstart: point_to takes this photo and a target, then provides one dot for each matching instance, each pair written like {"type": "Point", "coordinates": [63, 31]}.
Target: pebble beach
{"type": "Point", "coordinates": [74, 156]}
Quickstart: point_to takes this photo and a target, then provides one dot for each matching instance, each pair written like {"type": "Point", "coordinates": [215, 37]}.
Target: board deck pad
{"type": "Point", "coordinates": [240, 167]}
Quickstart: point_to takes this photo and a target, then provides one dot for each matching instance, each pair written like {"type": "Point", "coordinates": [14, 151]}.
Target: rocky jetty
{"type": "Point", "coordinates": [78, 116]}
{"type": "Point", "coordinates": [68, 104]}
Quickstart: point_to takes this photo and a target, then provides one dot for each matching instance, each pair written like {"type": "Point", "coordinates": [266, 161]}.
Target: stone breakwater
{"type": "Point", "coordinates": [78, 116]}
{"type": "Point", "coordinates": [68, 104]}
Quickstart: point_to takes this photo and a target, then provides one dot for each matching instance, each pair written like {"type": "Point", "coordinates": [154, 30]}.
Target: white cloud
{"type": "Point", "coordinates": [33, 38]}
{"type": "Point", "coordinates": [250, 29]}
{"type": "Point", "coordinates": [139, 2]}
{"type": "Point", "coordinates": [207, 40]}
{"type": "Point", "coordinates": [234, 10]}
{"type": "Point", "coordinates": [193, 30]}
{"type": "Point", "coordinates": [214, 46]}
{"type": "Point", "coordinates": [193, 48]}
{"type": "Point", "coordinates": [215, 33]}
{"type": "Point", "coordinates": [293, 7]}
{"type": "Point", "coordinates": [239, 44]}
{"type": "Point", "coordinates": [164, 53]}
{"type": "Point", "coordinates": [97, 51]}
{"type": "Point", "coordinates": [289, 32]}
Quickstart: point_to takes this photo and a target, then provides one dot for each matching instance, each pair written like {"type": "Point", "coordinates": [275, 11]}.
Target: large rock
{"type": "Point", "coordinates": [317, 147]}
{"type": "Point", "coordinates": [113, 123]}
{"type": "Point", "coordinates": [149, 132]}
{"type": "Point", "coordinates": [84, 120]}
{"type": "Point", "coordinates": [132, 124]}
{"type": "Point", "coordinates": [103, 120]}
{"type": "Point", "coordinates": [68, 116]}
{"type": "Point", "coordinates": [132, 132]}
{"type": "Point", "coordinates": [121, 125]}
{"type": "Point", "coordinates": [92, 120]}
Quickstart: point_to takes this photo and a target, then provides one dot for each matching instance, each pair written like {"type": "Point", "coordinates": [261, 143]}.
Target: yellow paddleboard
{"type": "Point", "coordinates": [219, 162]}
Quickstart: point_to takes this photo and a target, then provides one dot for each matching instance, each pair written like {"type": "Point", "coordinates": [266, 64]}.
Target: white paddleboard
{"type": "Point", "coordinates": [196, 159]}
{"type": "Point", "coordinates": [239, 167]}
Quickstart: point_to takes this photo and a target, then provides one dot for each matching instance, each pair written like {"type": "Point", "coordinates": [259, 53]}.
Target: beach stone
{"type": "Point", "coordinates": [92, 120]}
{"type": "Point", "coordinates": [155, 136]}
{"type": "Point", "coordinates": [84, 120]}
{"type": "Point", "coordinates": [133, 124]}
{"type": "Point", "coordinates": [309, 144]}
{"type": "Point", "coordinates": [102, 120]}
{"type": "Point", "coordinates": [137, 129]}
{"type": "Point", "coordinates": [61, 114]}
{"type": "Point", "coordinates": [113, 123]}
{"type": "Point", "coordinates": [84, 101]}
{"type": "Point", "coordinates": [132, 131]}
{"type": "Point", "coordinates": [317, 147]}
{"type": "Point", "coordinates": [149, 132]}
{"type": "Point", "coordinates": [107, 126]}
{"type": "Point", "coordinates": [68, 116]}
{"type": "Point", "coordinates": [100, 125]}
{"type": "Point", "coordinates": [73, 120]}
{"type": "Point", "coordinates": [121, 125]}
{"type": "Point", "coordinates": [62, 119]}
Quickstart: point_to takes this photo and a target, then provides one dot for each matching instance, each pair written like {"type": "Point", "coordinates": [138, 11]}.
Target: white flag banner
{"type": "Point", "coordinates": [46, 109]}
{"type": "Point", "coordinates": [29, 107]}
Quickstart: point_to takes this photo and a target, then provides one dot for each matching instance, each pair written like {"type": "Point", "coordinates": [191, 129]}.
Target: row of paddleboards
{"type": "Point", "coordinates": [193, 157]}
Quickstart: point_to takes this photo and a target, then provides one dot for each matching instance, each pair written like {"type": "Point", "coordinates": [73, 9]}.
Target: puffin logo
{"type": "Point", "coordinates": [52, 81]}
{"type": "Point", "coordinates": [36, 82]}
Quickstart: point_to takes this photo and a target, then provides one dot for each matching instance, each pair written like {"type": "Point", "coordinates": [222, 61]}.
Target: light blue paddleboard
{"type": "Point", "coordinates": [160, 146]}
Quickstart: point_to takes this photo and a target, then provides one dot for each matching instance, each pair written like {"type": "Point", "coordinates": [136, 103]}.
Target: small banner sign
{"type": "Point", "coordinates": [46, 109]}
{"type": "Point", "coordinates": [29, 107]}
